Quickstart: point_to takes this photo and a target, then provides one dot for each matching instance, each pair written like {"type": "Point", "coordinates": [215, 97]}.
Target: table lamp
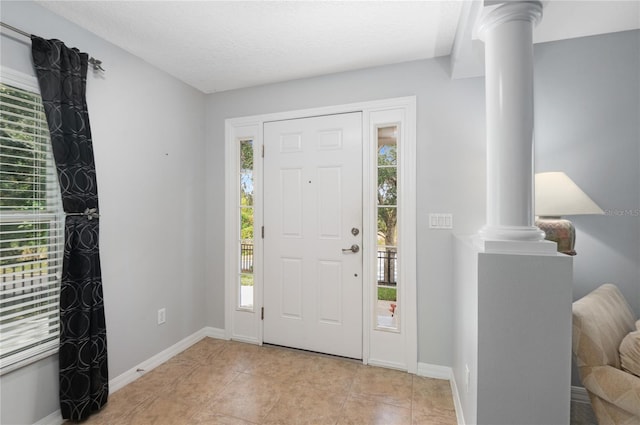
{"type": "Point", "coordinates": [557, 195]}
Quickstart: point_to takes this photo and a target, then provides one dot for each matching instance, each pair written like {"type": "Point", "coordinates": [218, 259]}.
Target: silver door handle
{"type": "Point", "coordinates": [354, 248]}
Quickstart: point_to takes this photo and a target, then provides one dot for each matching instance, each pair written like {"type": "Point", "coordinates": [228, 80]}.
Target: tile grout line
{"type": "Point", "coordinates": [344, 402]}
{"type": "Point", "coordinates": [411, 408]}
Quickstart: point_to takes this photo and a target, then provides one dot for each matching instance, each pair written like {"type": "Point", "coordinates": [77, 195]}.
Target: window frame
{"type": "Point", "coordinates": [398, 350]}
{"type": "Point", "coordinates": [54, 214]}
{"type": "Point", "coordinates": [398, 287]}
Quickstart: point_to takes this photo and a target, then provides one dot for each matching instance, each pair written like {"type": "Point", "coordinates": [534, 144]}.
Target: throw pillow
{"type": "Point", "coordinates": [630, 353]}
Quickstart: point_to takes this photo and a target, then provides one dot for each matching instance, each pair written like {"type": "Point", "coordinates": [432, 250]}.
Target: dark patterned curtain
{"type": "Point", "coordinates": [84, 382]}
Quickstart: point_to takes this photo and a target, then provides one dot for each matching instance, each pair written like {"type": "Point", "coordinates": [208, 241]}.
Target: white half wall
{"type": "Point", "coordinates": [519, 312]}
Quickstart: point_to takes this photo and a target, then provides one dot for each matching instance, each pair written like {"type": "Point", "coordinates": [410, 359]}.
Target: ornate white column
{"type": "Point", "coordinates": [508, 35]}
{"type": "Point", "coordinates": [537, 279]}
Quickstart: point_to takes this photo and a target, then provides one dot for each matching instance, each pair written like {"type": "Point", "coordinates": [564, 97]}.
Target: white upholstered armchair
{"type": "Point", "coordinates": [601, 320]}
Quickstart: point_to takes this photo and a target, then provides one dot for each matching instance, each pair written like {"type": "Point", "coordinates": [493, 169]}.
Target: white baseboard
{"type": "Point", "coordinates": [247, 339]}
{"type": "Point", "coordinates": [579, 395]}
{"type": "Point", "coordinates": [216, 333]}
{"type": "Point", "coordinates": [434, 371]}
{"type": "Point", "coordinates": [444, 372]}
{"type": "Point", "coordinates": [53, 419]}
{"type": "Point", "coordinates": [146, 366]}
{"type": "Point", "coordinates": [456, 400]}
{"type": "Point", "coordinates": [132, 374]}
{"type": "Point", "coordinates": [386, 364]}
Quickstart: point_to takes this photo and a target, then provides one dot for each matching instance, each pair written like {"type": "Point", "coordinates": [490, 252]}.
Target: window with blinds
{"type": "Point", "coordinates": [31, 230]}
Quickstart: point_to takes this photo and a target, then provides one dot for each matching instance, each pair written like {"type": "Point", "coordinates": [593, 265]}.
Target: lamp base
{"type": "Point", "coordinates": [560, 231]}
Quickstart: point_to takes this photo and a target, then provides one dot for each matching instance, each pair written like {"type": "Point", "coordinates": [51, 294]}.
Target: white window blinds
{"type": "Point", "coordinates": [31, 230]}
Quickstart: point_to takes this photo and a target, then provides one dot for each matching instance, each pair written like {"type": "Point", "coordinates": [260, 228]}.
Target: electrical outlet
{"type": "Point", "coordinates": [162, 316]}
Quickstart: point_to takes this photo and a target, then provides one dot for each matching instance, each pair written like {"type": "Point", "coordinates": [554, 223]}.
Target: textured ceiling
{"type": "Point", "coordinates": [223, 45]}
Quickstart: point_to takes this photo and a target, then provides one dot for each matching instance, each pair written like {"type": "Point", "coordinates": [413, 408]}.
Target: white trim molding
{"type": "Point", "coordinates": [396, 349]}
{"type": "Point", "coordinates": [242, 324]}
{"type": "Point", "coordinates": [215, 333]}
{"type": "Point", "coordinates": [456, 400]}
{"type": "Point", "coordinates": [435, 371]}
{"type": "Point", "coordinates": [19, 79]}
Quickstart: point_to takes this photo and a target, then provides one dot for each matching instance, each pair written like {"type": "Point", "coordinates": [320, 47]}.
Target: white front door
{"type": "Point", "coordinates": [312, 217]}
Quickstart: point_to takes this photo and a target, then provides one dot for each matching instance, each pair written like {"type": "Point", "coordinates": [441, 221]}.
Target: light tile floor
{"type": "Point", "coordinates": [225, 382]}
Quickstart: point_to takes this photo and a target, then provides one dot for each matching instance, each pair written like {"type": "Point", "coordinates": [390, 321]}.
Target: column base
{"type": "Point", "coordinates": [511, 233]}
{"type": "Point", "coordinates": [514, 239]}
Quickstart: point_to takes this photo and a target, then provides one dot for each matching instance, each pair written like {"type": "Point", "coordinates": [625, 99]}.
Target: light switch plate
{"type": "Point", "coordinates": [440, 221]}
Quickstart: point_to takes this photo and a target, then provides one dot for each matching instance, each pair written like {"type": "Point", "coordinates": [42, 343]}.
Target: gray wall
{"type": "Point", "coordinates": [587, 115]}
{"type": "Point", "coordinates": [450, 176]}
{"type": "Point", "coordinates": [590, 84]}
{"type": "Point", "coordinates": [148, 136]}
{"type": "Point", "coordinates": [587, 112]}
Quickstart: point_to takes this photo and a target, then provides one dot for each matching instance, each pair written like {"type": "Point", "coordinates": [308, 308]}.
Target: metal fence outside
{"type": "Point", "coordinates": [387, 268]}
{"type": "Point", "coordinates": [246, 257]}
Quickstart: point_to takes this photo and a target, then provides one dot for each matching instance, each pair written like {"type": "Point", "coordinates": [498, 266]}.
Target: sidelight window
{"type": "Point", "coordinates": [387, 285]}
{"type": "Point", "coordinates": [246, 230]}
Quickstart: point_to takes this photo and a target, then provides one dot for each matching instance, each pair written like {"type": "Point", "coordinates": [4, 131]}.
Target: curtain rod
{"type": "Point", "coordinates": [95, 63]}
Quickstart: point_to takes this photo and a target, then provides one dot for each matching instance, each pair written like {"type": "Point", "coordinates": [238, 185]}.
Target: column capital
{"type": "Point", "coordinates": [524, 10]}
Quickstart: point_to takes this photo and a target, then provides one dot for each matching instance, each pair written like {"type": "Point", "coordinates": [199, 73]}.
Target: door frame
{"type": "Point", "coordinates": [394, 349]}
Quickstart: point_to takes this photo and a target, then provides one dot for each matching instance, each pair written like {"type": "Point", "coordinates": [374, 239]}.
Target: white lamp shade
{"type": "Point", "coordinates": [558, 195]}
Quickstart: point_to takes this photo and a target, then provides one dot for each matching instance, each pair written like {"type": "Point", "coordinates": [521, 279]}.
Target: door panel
{"type": "Point", "coordinates": [330, 306]}
{"type": "Point", "coordinates": [329, 206]}
{"type": "Point", "coordinates": [313, 198]}
{"type": "Point", "coordinates": [291, 288]}
{"type": "Point", "coordinates": [291, 208]}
